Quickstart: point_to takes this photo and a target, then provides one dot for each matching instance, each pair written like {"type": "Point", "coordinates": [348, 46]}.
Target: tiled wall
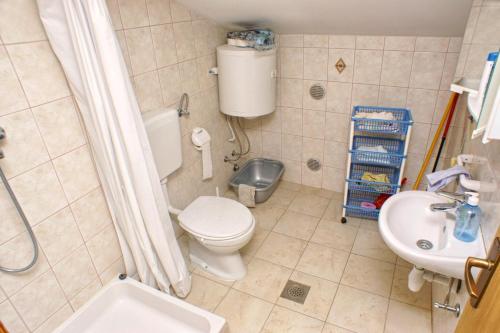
{"type": "Point", "coordinates": [168, 50]}
{"type": "Point", "coordinates": [49, 167]}
{"type": "Point", "coordinates": [482, 36]}
{"type": "Point", "coordinates": [413, 72]}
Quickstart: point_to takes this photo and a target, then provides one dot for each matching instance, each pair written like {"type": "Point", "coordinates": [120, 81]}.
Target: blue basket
{"type": "Point", "coordinates": [398, 125]}
{"type": "Point", "coordinates": [394, 156]}
{"type": "Point", "coordinates": [353, 205]}
{"type": "Point", "coordinates": [357, 171]}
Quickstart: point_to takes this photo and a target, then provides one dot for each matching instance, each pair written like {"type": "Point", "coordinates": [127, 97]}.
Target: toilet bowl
{"type": "Point", "coordinates": [218, 227]}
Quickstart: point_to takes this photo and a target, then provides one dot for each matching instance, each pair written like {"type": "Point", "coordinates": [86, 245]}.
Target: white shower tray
{"type": "Point", "coordinates": [127, 306]}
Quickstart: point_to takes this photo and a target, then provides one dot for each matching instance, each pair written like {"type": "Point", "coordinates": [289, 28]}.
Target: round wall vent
{"type": "Point", "coordinates": [313, 164]}
{"type": "Point", "coordinates": [317, 91]}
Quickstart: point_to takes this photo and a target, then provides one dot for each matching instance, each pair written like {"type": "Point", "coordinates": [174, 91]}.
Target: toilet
{"type": "Point", "coordinates": [218, 227]}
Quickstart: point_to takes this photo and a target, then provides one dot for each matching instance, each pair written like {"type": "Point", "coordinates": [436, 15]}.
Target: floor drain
{"type": "Point", "coordinates": [296, 292]}
{"type": "Point", "coordinates": [424, 244]}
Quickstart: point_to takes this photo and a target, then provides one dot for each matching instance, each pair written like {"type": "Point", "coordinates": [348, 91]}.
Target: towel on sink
{"type": "Point", "coordinates": [439, 179]}
{"type": "Point", "coordinates": [246, 195]}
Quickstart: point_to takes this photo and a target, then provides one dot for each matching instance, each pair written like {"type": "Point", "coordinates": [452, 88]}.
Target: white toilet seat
{"type": "Point", "coordinates": [216, 219]}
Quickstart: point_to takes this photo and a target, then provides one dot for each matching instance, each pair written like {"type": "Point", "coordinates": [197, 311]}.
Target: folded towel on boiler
{"type": "Point", "coordinates": [439, 179]}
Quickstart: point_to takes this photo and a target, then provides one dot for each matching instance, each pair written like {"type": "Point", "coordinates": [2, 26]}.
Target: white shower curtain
{"type": "Point", "coordinates": [81, 35]}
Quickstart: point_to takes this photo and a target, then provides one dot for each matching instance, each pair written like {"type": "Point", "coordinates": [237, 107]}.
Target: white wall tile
{"type": "Point", "coordinates": [134, 13]}
{"type": "Point", "coordinates": [76, 172]}
{"type": "Point", "coordinates": [20, 22]}
{"type": "Point", "coordinates": [23, 147]}
{"type": "Point", "coordinates": [292, 147]}
{"type": "Point", "coordinates": [12, 224]}
{"type": "Point", "coordinates": [114, 12]}
{"type": "Point", "coordinates": [364, 94]}
{"type": "Point", "coordinates": [316, 41]}
{"type": "Point", "coordinates": [291, 93]}
{"type": "Point", "coordinates": [400, 43]}
{"type": "Point", "coordinates": [170, 81]}
{"type": "Point", "coordinates": [432, 44]}
{"type": "Point", "coordinates": [396, 68]}
{"type": "Point", "coordinates": [41, 77]}
{"type": "Point", "coordinates": [487, 27]}
{"type": "Point", "coordinates": [286, 40]}
{"type": "Point", "coordinates": [336, 127]}
{"type": "Point", "coordinates": [159, 11]}
{"type": "Point", "coordinates": [392, 96]}
{"type": "Point", "coordinates": [339, 97]}
{"type": "Point", "coordinates": [427, 70]}
{"type": "Point", "coordinates": [18, 252]}
{"type": "Point", "coordinates": [148, 91]}
{"type": "Point", "coordinates": [342, 42]}
{"type": "Point", "coordinates": [164, 45]}
{"type": "Point", "coordinates": [316, 63]}
{"type": "Point", "coordinates": [421, 102]}
{"type": "Point", "coordinates": [292, 121]}
{"type": "Point", "coordinates": [184, 41]}
{"type": "Point", "coordinates": [58, 235]}
{"type": "Point", "coordinates": [11, 319]}
{"type": "Point", "coordinates": [59, 125]}
{"type": "Point", "coordinates": [292, 62]}
{"type": "Point", "coordinates": [11, 94]}
{"type": "Point", "coordinates": [103, 249]}
{"type": "Point", "coordinates": [313, 124]}
{"type": "Point", "coordinates": [39, 192]}
{"type": "Point", "coordinates": [55, 320]}
{"type": "Point", "coordinates": [75, 272]}
{"type": "Point", "coordinates": [368, 66]}
{"type": "Point", "coordinates": [370, 42]}
{"type": "Point", "coordinates": [179, 12]}
{"type": "Point", "coordinates": [141, 50]}
{"type": "Point", "coordinates": [39, 300]}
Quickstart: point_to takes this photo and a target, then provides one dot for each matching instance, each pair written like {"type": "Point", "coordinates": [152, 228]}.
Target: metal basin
{"type": "Point", "coordinates": [261, 173]}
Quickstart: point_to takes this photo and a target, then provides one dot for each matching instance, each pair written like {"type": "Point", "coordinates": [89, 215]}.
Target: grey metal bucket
{"type": "Point", "coordinates": [262, 173]}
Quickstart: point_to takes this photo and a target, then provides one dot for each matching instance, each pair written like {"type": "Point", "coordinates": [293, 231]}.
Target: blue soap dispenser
{"type": "Point", "coordinates": [468, 216]}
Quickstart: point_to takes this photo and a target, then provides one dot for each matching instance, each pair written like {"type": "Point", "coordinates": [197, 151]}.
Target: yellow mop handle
{"type": "Point", "coordinates": [434, 142]}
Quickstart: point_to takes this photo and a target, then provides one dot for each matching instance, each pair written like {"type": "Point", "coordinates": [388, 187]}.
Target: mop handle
{"type": "Point", "coordinates": [451, 101]}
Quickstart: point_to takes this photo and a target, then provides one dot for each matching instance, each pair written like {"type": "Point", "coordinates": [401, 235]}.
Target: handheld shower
{"type": "Point", "coordinates": [23, 217]}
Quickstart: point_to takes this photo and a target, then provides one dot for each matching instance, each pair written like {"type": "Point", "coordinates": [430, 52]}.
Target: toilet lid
{"type": "Point", "coordinates": [216, 217]}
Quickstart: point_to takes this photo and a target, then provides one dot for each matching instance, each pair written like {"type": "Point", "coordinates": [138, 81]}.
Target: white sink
{"type": "Point", "coordinates": [406, 218]}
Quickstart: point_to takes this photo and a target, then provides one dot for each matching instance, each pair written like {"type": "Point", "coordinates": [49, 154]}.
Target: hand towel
{"type": "Point", "coordinates": [439, 179]}
{"type": "Point", "coordinates": [246, 195]}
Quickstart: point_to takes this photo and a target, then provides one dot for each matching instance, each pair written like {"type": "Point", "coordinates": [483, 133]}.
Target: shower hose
{"type": "Point", "coordinates": [23, 217]}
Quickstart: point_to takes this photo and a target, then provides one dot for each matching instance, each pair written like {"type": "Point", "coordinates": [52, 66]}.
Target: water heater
{"type": "Point", "coordinates": [247, 81]}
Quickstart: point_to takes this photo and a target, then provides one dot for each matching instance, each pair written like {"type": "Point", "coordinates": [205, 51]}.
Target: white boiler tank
{"type": "Point", "coordinates": [247, 81]}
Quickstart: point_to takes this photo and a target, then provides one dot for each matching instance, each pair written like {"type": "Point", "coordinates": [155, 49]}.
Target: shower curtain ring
{"type": "Point", "coordinates": [182, 109]}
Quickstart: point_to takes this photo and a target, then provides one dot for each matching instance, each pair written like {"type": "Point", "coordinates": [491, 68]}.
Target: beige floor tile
{"type": "Point", "coordinates": [264, 280]}
{"type": "Point", "coordinates": [281, 249]}
{"type": "Point", "coordinates": [206, 293]}
{"type": "Point", "coordinates": [267, 216]}
{"type": "Point", "coordinates": [210, 276]}
{"type": "Point", "coordinates": [323, 262]}
{"type": "Point", "coordinates": [370, 243]}
{"type": "Point", "coordinates": [289, 186]}
{"type": "Point", "coordinates": [319, 299]}
{"type": "Point", "coordinates": [406, 318]}
{"type": "Point", "coordinates": [368, 224]}
{"type": "Point", "coordinates": [321, 192]}
{"type": "Point", "coordinates": [368, 274]}
{"type": "Point", "coordinates": [354, 221]}
{"type": "Point", "coordinates": [329, 328]}
{"type": "Point", "coordinates": [337, 235]}
{"type": "Point", "coordinates": [358, 311]}
{"type": "Point", "coordinates": [296, 225]}
{"type": "Point", "coordinates": [309, 204]}
{"type": "Point", "coordinates": [280, 198]}
{"type": "Point", "coordinates": [249, 250]}
{"type": "Point", "coordinates": [401, 262]}
{"type": "Point", "coordinates": [334, 211]}
{"type": "Point", "coordinates": [284, 320]}
{"type": "Point", "coordinates": [244, 313]}
{"type": "Point", "coordinates": [400, 291]}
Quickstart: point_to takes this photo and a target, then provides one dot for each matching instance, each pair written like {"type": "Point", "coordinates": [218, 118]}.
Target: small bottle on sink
{"type": "Point", "coordinates": [468, 216]}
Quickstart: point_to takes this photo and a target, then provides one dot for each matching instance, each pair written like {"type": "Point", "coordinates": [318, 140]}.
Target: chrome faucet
{"type": "Point", "coordinates": [457, 198]}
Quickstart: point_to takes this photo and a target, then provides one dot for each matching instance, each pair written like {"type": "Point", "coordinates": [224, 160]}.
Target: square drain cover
{"type": "Point", "coordinates": [296, 292]}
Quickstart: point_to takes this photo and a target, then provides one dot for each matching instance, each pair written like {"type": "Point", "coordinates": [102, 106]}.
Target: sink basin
{"type": "Point", "coordinates": [406, 221]}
